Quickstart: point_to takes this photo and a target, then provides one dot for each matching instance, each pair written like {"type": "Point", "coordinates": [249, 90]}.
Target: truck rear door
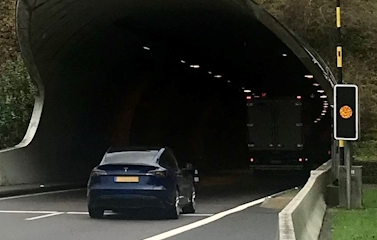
{"type": "Point", "coordinates": [288, 124]}
{"type": "Point", "coordinates": [260, 124]}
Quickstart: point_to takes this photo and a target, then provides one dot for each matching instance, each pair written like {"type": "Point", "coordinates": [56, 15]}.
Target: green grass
{"type": "Point", "coordinates": [357, 224]}
{"type": "Point", "coordinates": [370, 198]}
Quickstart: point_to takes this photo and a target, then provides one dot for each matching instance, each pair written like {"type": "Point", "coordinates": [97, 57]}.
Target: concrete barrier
{"type": "Point", "coordinates": [302, 218]}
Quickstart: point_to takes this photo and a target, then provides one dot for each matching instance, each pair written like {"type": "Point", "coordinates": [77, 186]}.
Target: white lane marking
{"type": "Point", "coordinates": [197, 215]}
{"type": "Point", "coordinates": [44, 216]}
{"type": "Point", "coordinates": [39, 194]}
{"type": "Point", "coordinates": [27, 212]}
{"type": "Point", "coordinates": [77, 213]}
{"type": "Point", "coordinates": [204, 221]}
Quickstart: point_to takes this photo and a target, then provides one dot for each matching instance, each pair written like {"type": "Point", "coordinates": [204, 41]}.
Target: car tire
{"type": "Point", "coordinates": [96, 212]}
{"type": "Point", "coordinates": [174, 210]}
{"type": "Point", "coordinates": [191, 206]}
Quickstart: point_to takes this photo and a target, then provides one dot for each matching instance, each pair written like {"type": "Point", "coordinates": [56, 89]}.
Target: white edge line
{"type": "Point", "coordinates": [39, 194]}
{"type": "Point", "coordinates": [44, 216]}
{"type": "Point", "coordinates": [27, 212]}
{"type": "Point", "coordinates": [204, 221]}
{"type": "Point", "coordinates": [197, 215]}
{"type": "Point", "coordinates": [77, 213]}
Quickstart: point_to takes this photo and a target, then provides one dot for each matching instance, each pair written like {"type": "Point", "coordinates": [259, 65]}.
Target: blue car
{"type": "Point", "coordinates": [135, 178]}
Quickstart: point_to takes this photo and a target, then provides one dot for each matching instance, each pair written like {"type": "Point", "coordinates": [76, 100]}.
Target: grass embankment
{"type": "Point", "coordinates": [357, 224]}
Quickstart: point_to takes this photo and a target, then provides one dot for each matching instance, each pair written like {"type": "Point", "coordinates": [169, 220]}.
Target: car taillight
{"type": "Point", "coordinates": [300, 159]}
{"type": "Point", "coordinates": [158, 172]}
{"type": "Point", "coordinates": [251, 159]}
{"type": "Point", "coordinates": [98, 172]}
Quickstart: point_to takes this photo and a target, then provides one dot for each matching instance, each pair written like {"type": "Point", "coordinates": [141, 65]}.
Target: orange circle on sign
{"type": "Point", "coordinates": [346, 112]}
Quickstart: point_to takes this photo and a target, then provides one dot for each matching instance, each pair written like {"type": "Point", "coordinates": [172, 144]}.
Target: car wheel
{"type": "Point", "coordinates": [191, 206]}
{"type": "Point", "coordinates": [96, 212]}
{"type": "Point", "coordinates": [173, 212]}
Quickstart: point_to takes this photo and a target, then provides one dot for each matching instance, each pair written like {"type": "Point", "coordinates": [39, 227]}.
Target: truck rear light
{"type": "Point", "coordinates": [160, 172]}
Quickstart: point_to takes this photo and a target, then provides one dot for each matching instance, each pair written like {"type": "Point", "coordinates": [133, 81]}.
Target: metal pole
{"type": "Point", "coordinates": [347, 158]}
{"type": "Point", "coordinates": [339, 43]}
{"type": "Point", "coordinates": [339, 64]}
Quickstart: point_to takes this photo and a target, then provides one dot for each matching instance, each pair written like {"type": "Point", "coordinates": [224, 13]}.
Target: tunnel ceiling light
{"type": "Point", "coordinates": [195, 66]}
{"type": "Point", "coordinates": [146, 48]}
{"type": "Point", "coordinates": [316, 84]}
{"type": "Point", "coordinates": [183, 61]}
{"type": "Point", "coordinates": [243, 88]}
{"type": "Point", "coordinates": [315, 121]}
{"type": "Point", "coordinates": [284, 55]}
{"type": "Point", "coordinates": [318, 119]}
{"type": "Point", "coordinates": [217, 76]}
{"type": "Point", "coordinates": [247, 91]}
{"type": "Point", "coordinates": [323, 96]}
{"type": "Point", "coordinates": [209, 72]}
{"type": "Point", "coordinates": [323, 114]}
{"type": "Point", "coordinates": [325, 107]}
{"type": "Point", "coordinates": [309, 76]}
{"type": "Point", "coordinates": [321, 91]}
{"type": "Point", "coordinates": [228, 81]}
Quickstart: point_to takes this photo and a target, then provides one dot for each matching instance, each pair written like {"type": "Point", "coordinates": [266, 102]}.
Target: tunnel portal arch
{"type": "Point", "coordinates": [57, 38]}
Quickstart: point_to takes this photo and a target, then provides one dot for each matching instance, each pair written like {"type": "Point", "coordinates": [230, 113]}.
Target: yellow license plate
{"type": "Point", "coordinates": [127, 179]}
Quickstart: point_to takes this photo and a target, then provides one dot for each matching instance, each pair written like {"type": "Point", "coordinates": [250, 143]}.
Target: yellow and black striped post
{"type": "Point", "coordinates": [339, 65]}
{"type": "Point", "coordinates": [344, 160]}
{"type": "Point", "coordinates": [339, 50]}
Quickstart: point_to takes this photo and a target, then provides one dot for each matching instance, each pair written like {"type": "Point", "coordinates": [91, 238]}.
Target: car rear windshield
{"type": "Point", "coordinates": [130, 157]}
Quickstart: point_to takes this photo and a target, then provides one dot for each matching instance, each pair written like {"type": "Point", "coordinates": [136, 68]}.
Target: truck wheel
{"type": "Point", "coordinates": [258, 173]}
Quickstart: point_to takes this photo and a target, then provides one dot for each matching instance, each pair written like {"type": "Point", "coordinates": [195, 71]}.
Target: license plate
{"type": "Point", "coordinates": [126, 179]}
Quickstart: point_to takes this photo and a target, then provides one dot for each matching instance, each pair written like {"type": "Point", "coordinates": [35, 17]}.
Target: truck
{"type": "Point", "coordinates": [275, 134]}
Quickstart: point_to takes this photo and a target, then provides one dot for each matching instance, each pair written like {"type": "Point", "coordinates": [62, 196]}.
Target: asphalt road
{"type": "Point", "coordinates": [63, 215]}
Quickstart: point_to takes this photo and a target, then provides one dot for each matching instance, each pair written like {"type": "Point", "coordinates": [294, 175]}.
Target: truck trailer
{"type": "Point", "coordinates": [275, 134]}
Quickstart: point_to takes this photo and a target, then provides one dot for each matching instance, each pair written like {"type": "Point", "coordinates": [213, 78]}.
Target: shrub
{"type": "Point", "coordinates": [16, 102]}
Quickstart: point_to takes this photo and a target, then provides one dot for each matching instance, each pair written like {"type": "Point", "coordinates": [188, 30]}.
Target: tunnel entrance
{"type": "Point", "coordinates": [158, 73]}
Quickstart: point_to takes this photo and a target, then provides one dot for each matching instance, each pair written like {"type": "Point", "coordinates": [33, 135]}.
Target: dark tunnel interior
{"type": "Point", "coordinates": [164, 75]}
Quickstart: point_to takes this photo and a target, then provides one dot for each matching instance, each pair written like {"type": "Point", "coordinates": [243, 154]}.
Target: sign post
{"type": "Point", "coordinates": [346, 124]}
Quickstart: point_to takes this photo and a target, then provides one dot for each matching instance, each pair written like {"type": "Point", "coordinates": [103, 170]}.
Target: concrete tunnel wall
{"type": "Point", "coordinates": [77, 116]}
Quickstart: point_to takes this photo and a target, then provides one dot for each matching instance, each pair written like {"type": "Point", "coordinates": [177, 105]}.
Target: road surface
{"type": "Point", "coordinates": [221, 214]}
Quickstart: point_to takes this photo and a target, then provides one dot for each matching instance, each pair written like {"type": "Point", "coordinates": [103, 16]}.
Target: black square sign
{"type": "Point", "coordinates": [346, 112]}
